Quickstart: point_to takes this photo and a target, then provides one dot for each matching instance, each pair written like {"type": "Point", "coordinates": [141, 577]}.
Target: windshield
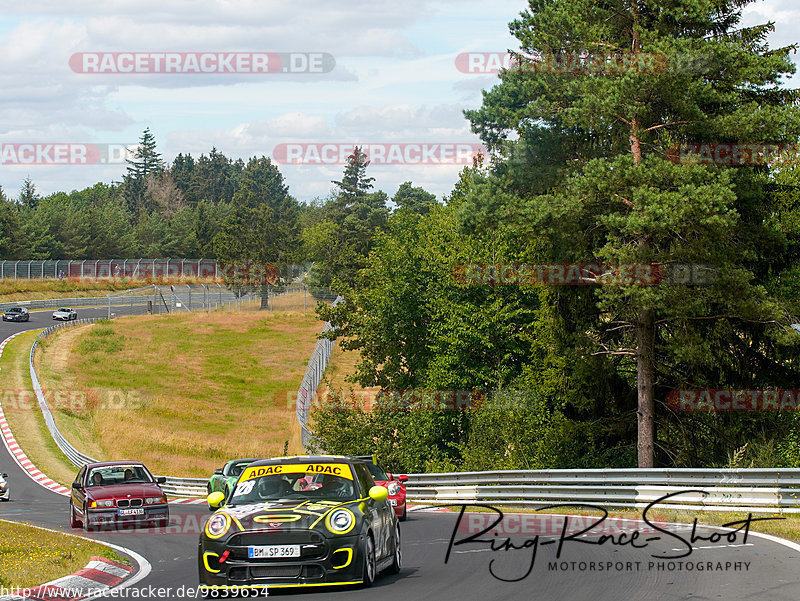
{"type": "Point", "coordinates": [118, 474]}
{"type": "Point", "coordinates": [377, 472]}
{"type": "Point", "coordinates": [273, 487]}
{"type": "Point", "coordinates": [15, 310]}
{"type": "Point", "coordinates": [236, 469]}
{"type": "Point", "coordinates": [65, 310]}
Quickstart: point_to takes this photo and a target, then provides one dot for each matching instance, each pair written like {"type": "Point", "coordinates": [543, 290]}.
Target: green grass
{"type": "Point", "coordinates": [24, 418]}
{"type": "Point", "coordinates": [192, 390]}
{"type": "Point", "coordinates": [52, 556]}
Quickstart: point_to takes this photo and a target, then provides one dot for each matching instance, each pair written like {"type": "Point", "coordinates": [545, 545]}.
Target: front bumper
{"type": "Point", "coordinates": [326, 562]}
{"type": "Point", "coordinates": [101, 516]}
{"type": "Point", "coordinates": [12, 318]}
{"type": "Point", "coordinates": [61, 317]}
{"type": "Point", "coordinates": [398, 504]}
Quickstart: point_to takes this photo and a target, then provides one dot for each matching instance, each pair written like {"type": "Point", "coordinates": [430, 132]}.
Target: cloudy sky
{"type": "Point", "coordinates": [389, 75]}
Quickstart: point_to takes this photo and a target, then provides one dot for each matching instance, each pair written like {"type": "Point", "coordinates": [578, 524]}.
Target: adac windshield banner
{"type": "Point", "coordinates": [334, 469]}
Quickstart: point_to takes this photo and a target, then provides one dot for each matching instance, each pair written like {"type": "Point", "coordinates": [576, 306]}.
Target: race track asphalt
{"type": "Point", "coordinates": [772, 572]}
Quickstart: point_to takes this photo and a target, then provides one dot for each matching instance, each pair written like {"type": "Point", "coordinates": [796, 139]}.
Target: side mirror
{"type": "Point", "coordinates": [218, 472]}
{"type": "Point", "coordinates": [402, 478]}
{"type": "Point", "coordinates": [161, 480]}
{"type": "Point", "coordinates": [215, 500]}
{"type": "Point", "coordinates": [77, 486]}
{"type": "Point", "coordinates": [4, 475]}
{"type": "Point", "coordinates": [378, 493]}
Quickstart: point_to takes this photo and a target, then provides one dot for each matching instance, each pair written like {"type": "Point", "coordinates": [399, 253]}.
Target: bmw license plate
{"type": "Point", "coordinates": [393, 502]}
{"type": "Point", "coordinates": [134, 511]}
{"type": "Point", "coordinates": [270, 551]}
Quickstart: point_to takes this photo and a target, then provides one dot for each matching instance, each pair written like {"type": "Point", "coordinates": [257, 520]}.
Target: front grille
{"type": "Point", "coordinates": [292, 537]}
{"type": "Point", "coordinates": [241, 573]}
{"type": "Point", "coordinates": [275, 571]}
{"type": "Point", "coordinates": [129, 503]}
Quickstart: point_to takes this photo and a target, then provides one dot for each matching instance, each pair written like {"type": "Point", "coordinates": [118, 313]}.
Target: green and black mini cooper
{"type": "Point", "coordinates": [300, 522]}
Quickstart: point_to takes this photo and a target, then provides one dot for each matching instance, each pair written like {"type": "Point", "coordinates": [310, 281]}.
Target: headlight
{"type": "Point", "coordinates": [340, 521]}
{"type": "Point", "coordinates": [393, 488]}
{"type": "Point", "coordinates": [154, 500]}
{"type": "Point", "coordinates": [218, 525]}
{"type": "Point", "coordinates": [105, 503]}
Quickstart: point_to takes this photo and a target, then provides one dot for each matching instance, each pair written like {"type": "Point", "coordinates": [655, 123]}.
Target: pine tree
{"type": "Point", "coordinates": [355, 183]}
{"type": "Point", "coordinates": [591, 180]}
{"type": "Point", "coordinates": [146, 162]}
{"type": "Point", "coordinates": [28, 197]}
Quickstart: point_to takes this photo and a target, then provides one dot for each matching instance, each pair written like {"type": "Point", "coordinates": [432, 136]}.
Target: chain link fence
{"type": "Point", "coordinates": [311, 379]}
{"type": "Point", "coordinates": [157, 299]}
{"type": "Point", "coordinates": [108, 268]}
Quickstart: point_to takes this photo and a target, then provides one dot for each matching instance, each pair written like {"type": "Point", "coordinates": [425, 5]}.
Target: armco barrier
{"type": "Point", "coordinates": [178, 487]}
{"type": "Point", "coordinates": [758, 490]}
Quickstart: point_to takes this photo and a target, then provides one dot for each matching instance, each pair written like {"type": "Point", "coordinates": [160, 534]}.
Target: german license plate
{"type": "Point", "coordinates": [270, 551]}
{"type": "Point", "coordinates": [393, 502]}
{"type": "Point", "coordinates": [134, 511]}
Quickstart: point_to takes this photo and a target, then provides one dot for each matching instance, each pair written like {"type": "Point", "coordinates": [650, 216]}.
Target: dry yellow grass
{"type": "Point", "coordinates": [198, 389]}
{"type": "Point", "coordinates": [17, 290]}
{"type": "Point", "coordinates": [342, 364]}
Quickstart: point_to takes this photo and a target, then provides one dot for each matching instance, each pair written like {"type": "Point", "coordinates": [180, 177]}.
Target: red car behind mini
{"type": "Point", "coordinates": [396, 488]}
{"type": "Point", "coordinates": [115, 493]}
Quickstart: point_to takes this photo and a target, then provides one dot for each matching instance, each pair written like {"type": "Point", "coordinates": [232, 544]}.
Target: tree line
{"type": "Point", "coordinates": [206, 207]}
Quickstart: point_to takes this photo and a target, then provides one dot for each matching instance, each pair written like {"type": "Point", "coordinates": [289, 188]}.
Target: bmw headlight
{"type": "Point", "coordinates": [340, 521]}
{"type": "Point", "coordinates": [154, 500]}
{"type": "Point", "coordinates": [218, 525]}
{"type": "Point", "coordinates": [393, 488]}
{"type": "Point", "coordinates": [104, 503]}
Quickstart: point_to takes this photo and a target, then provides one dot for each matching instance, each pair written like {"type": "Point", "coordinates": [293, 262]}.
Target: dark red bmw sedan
{"type": "Point", "coordinates": [115, 493]}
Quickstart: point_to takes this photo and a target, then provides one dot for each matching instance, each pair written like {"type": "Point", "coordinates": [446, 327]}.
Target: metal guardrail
{"type": "Point", "coordinates": [311, 379]}
{"type": "Point", "coordinates": [179, 487]}
{"type": "Point", "coordinates": [757, 490]}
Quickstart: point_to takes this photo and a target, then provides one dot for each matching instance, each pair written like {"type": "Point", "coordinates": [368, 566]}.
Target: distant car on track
{"type": "Point", "coordinates": [5, 490]}
{"type": "Point", "coordinates": [224, 479]}
{"type": "Point", "coordinates": [273, 533]}
{"type": "Point", "coordinates": [117, 493]}
{"type": "Point", "coordinates": [396, 487]}
{"type": "Point", "coordinates": [65, 314]}
{"type": "Point", "coordinates": [16, 314]}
